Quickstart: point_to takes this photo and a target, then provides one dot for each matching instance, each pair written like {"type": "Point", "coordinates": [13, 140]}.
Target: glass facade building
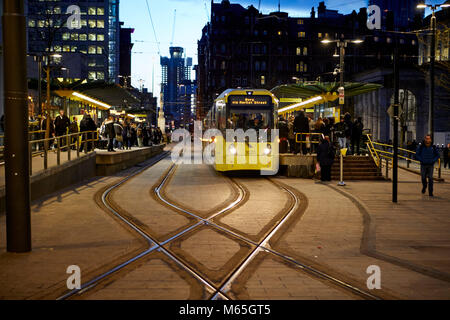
{"type": "Point", "coordinates": [96, 39]}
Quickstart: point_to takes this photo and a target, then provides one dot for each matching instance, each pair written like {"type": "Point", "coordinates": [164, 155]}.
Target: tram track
{"type": "Point", "coordinates": [216, 291]}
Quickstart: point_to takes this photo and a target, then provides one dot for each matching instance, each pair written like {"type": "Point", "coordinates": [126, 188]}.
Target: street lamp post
{"type": "Point", "coordinates": [432, 61]}
{"type": "Point", "coordinates": [342, 44]}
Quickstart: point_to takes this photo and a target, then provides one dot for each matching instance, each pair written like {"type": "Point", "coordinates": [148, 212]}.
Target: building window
{"type": "Point", "coordinates": [32, 23]}
{"type": "Point", "coordinates": [83, 37]}
{"type": "Point", "coordinates": [100, 11]}
{"type": "Point", "coordinates": [388, 40]}
{"type": "Point", "coordinates": [73, 49]}
{"type": "Point", "coordinates": [66, 48]}
{"type": "Point", "coordinates": [99, 50]}
{"type": "Point", "coordinates": [299, 21]}
{"type": "Point", "coordinates": [100, 75]}
{"type": "Point", "coordinates": [92, 11]}
{"type": "Point", "coordinates": [92, 23]}
{"type": "Point", "coordinates": [257, 66]}
{"type": "Point", "coordinates": [66, 36]}
{"type": "Point", "coordinates": [91, 62]}
{"type": "Point", "coordinates": [92, 49]}
{"type": "Point", "coordinates": [74, 37]}
{"type": "Point", "coordinates": [92, 75]}
{"type": "Point", "coordinates": [305, 51]}
{"type": "Point", "coordinates": [100, 24]}
{"type": "Point", "coordinates": [100, 37]}
{"type": "Point", "coordinates": [223, 65]}
{"type": "Point", "coordinates": [92, 37]}
{"type": "Point", "coordinates": [263, 66]}
{"type": "Point", "coordinates": [302, 34]}
{"type": "Point", "coordinates": [280, 33]}
{"type": "Point", "coordinates": [319, 35]}
{"type": "Point", "coordinates": [263, 80]}
{"type": "Point", "coordinates": [299, 51]}
{"type": "Point", "coordinates": [83, 22]}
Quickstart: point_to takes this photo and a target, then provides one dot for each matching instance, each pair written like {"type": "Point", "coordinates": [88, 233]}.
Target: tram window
{"type": "Point", "coordinates": [249, 120]}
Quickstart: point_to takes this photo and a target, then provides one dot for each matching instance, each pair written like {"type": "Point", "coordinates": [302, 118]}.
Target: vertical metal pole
{"type": "Point", "coordinates": [69, 146]}
{"type": "Point", "coordinates": [17, 166]}
{"type": "Point", "coordinates": [40, 85]}
{"type": "Point", "coordinates": [58, 151]}
{"type": "Point", "coordinates": [432, 62]}
{"type": "Point", "coordinates": [396, 117]}
{"type": "Point", "coordinates": [342, 61]}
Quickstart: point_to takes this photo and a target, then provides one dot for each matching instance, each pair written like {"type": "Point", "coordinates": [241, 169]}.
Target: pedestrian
{"type": "Point", "coordinates": [126, 136]}
{"type": "Point", "coordinates": [291, 135]}
{"type": "Point", "coordinates": [140, 136]}
{"type": "Point", "coordinates": [133, 133]}
{"type": "Point", "coordinates": [301, 127]}
{"type": "Point", "coordinates": [284, 134]}
{"type": "Point", "coordinates": [110, 133]}
{"type": "Point", "coordinates": [427, 154]}
{"type": "Point", "coordinates": [73, 129]}
{"type": "Point", "coordinates": [357, 132]}
{"type": "Point", "coordinates": [325, 158]}
{"type": "Point", "coordinates": [87, 126]}
{"type": "Point", "coordinates": [446, 160]}
{"type": "Point", "coordinates": [118, 141]}
{"type": "Point", "coordinates": [62, 123]}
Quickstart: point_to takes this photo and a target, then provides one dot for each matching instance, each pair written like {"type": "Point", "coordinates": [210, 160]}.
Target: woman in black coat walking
{"type": "Point", "coordinates": [325, 157]}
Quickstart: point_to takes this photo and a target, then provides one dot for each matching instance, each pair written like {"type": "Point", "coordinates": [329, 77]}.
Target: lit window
{"type": "Point", "coordinates": [299, 21]}
{"type": "Point", "coordinates": [279, 33]}
{"type": "Point", "coordinates": [92, 75]}
{"type": "Point", "coordinates": [302, 34]}
{"type": "Point", "coordinates": [100, 24]}
{"type": "Point", "coordinates": [92, 49]}
{"type": "Point", "coordinates": [305, 51]}
{"type": "Point", "coordinates": [66, 36]}
{"type": "Point", "coordinates": [83, 22]}
{"type": "Point", "coordinates": [57, 10]}
{"type": "Point", "coordinates": [299, 51]}
{"type": "Point", "coordinates": [58, 49]}
{"type": "Point", "coordinates": [83, 37]}
{"type": "Point", "coordinates": [92, 23]}
{"type": "Point", "coordinates": [32, 23]}
{"type": "Point", "coordinates": [74, 37]}
{"type": "Point", "coordinates": [91, 62]}
{"type": "Point", "coordinates": [263, 80]}
{"type": "Point", "coordinates": [92, 37]}
{"type": "Point", "coordinates": [99, 50]}
{"type": "Point", "coordinates": [92, 11]}
{"type": "Point", "coordinates": [66, 48]}
{"type": "Point", "coordinates": [320, 35]}
{"type": "Point", "coordinates": [100, 11]}
{"type": "Point", "coordinates": [41, 23]}
{"type": "Point", "coordinates": [388, 40]}
{"type": "Point", "coordinates": [100, 75]}
{"type": "Point", "coordinates": [100, 37]}
{"type": "Point", "coordinates": [413, 42]}
{"type": "Point", "coordinates": [73, 49]}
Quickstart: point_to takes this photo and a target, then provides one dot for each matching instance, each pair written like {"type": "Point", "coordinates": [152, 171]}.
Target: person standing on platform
{"type": "Point", "coordinates": [284, 134]}
{"type": "Point", "coordinates": [110, 133]}
{"type": "Point", "coordinates": [325, 157]}
{"type": "Point", "coordinates": [446, 160]}
{"type": "Point", "coordinates": [357, 132]}
{"type": "Point", "coordinates": [62, 123]}
{"type": "Point", "coordinates": [301, 125]}
{"type": "Point", "coordinates": [427, 154]}
{"type": "Point", "coordinates": [73, 128]}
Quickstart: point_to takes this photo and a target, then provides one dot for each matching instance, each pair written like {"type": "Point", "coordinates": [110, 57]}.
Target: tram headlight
{"type": "Point", "coordinates": [232, 150]}
{"type": "Point", "coordinates": [268, 150]}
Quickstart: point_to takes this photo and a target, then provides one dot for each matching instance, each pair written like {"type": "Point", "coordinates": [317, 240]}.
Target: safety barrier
{"type": "Point", "coordinates": [383, 153]}
{"type": "Point", "coordinates": [81, 142]}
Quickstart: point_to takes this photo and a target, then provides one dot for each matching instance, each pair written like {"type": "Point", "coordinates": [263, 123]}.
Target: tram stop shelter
{"type": "Point", "coordinates": [317, 97]}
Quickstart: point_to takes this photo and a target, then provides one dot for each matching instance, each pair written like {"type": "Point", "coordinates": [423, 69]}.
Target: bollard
{"type": "Point", "coordinates": [341, 182]}
{"type": "Point", "coordinates": [387, 168]}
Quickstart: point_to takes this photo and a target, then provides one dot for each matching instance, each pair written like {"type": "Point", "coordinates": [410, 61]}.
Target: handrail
{"type": "Point", "coordinates": [371, 147]}
{"type": "Point", "coordinates": [307, 134]}
{"type": "Point", "coordinates": [385, 153]}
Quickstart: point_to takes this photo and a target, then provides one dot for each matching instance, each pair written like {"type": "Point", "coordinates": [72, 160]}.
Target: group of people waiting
{"type": "Point", "coordinates": [345, 133]}
{"type": "Point", "coordinates": [123, 135]}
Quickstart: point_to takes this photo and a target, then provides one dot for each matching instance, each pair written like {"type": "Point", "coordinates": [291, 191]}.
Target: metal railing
{"type": "Point", "coordinates": [383, 153]}
{"type": "Point", "coordinates": [308, 137]}
{"type": "Point", "coordinates": [81, 142]}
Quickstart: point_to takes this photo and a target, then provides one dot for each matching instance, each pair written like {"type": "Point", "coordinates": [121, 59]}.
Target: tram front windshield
{"type": "Point", "coordinates": [250, 119]}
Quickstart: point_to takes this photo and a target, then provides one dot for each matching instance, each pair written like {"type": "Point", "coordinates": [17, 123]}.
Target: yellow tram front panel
{"type": "Point", "coordinates": [239, 156]}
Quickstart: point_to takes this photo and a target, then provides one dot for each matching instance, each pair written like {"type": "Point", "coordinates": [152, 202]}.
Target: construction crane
{"type": "Point", "coordinates": [259, 5]}
{"type": "Point", "coordinates": [173, 30]}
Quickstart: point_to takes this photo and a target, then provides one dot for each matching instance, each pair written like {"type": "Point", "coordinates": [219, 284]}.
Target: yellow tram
{"type": "Point", "coordinates": [246, 139]}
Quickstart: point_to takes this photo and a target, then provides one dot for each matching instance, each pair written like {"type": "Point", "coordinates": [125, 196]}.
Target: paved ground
{"type": "Point", "coordinates": [339, 231]}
